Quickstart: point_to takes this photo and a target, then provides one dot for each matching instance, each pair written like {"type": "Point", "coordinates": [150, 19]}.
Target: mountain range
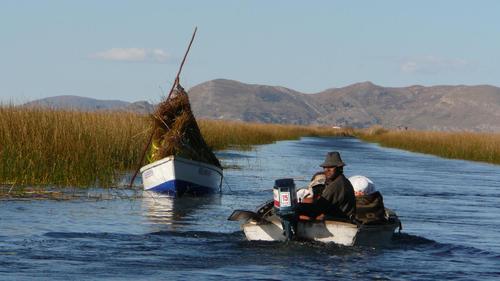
{"type": "Point", "coordinates": [473, 108]}
{"type": "Point", "coordinates": [89, 104]}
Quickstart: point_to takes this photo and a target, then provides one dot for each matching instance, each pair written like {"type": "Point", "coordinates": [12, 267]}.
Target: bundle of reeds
{"type": "Point", "coordinates": [176, 132]}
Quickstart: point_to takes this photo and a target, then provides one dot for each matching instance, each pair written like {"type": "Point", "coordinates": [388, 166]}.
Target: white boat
{"type": "Point", "coordinates": [264, 225]}
{"type": "Point", "coordinates": [176, 176]}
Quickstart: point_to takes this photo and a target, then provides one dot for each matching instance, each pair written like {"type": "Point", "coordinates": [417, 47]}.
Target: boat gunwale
{"type": "Point", "coordinates": [174, 158]}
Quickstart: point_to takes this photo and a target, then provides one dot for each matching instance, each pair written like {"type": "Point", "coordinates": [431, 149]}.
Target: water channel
{"type": "Point", "coordinates": [449, 210]}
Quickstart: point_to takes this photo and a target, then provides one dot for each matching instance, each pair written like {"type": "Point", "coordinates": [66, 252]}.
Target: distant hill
{"type": "Point", "coordinates": [227, 99]}
{"type": "Point", "coordinates": [90, 104]}
{"type": "Point", "coordinates": [438, 107]}
{"type": "Point", "coordinates": [475, 108]}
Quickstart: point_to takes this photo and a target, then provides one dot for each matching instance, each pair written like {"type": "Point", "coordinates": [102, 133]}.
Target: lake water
{"type": "Point", "coordinates": [449, 209]}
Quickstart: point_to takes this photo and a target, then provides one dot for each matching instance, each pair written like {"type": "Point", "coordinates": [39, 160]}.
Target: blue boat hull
{"type": "Point", "coordinates": [178, 188]}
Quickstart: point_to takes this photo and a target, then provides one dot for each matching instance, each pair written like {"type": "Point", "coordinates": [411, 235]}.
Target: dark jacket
{"type": "Point", "coordinates": [370, 208]}
{"type": "Point", "coordinates": [336, 201]}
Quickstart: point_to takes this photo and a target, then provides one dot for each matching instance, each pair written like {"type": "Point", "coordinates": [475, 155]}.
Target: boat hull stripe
{"type": "Point", "coordinates": [180, 187]}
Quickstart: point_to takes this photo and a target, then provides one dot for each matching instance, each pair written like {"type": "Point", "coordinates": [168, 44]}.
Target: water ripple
{"type": "Point", "coordinates": [448, 208]}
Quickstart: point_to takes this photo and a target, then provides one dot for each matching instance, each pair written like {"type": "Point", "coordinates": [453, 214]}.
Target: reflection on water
{"type": "Point", "coordinates": [162, 210]}
{"type": "Point", "coordinates": [158, 209]}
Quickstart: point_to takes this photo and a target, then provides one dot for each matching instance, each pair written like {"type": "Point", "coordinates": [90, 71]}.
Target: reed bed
{"type": "Point", "coordinates": [483, 147]}
{"type": "Point", "coordinates": [242, 135]}
{"type": "Point", "coordinates": [82, 149]}
{"type": "Point", "coordinates": [67, 148]}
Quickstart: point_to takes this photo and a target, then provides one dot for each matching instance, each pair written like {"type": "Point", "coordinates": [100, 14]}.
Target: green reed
{"type": "Point", "coordinates": [72, 148]}
{"type": "Point", "coordinates": [483, 147]}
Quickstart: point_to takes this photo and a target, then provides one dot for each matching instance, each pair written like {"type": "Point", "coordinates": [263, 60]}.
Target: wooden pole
{"type": "Point", "coordinates": [176, 82]}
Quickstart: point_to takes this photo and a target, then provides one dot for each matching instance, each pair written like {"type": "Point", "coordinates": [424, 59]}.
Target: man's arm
{"type": "Point", "coordinates": [315, 209]}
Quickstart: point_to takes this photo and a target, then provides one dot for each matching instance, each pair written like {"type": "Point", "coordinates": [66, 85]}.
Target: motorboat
{"type": "Point", "coordinates": [269, 227]}
{"type": "Point", "coordinates": [270, 223]}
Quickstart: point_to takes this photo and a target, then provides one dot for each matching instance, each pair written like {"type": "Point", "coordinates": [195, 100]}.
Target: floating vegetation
{"type": "Point", "coordinates": [69, 193]}
{"type": "Point", "coordinates": [13, 192]}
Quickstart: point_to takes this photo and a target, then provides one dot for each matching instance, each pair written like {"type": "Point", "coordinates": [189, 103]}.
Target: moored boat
{"type": "Point", "coordinates": [180, 161]}
{"type": "Point", "coordinates": [176, 176]}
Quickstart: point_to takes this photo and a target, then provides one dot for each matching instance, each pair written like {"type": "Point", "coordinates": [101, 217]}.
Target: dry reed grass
{"type": "Point", "coordinates": [176, 132]}
{"type": "Point", "coordinates": [67, 148]}
{"type": "Point", "coordinates": [71, 148]}
{"type": "Point", "coordinates": [223, 134]}
{"type": "Point", "coordinates": [483, 147]}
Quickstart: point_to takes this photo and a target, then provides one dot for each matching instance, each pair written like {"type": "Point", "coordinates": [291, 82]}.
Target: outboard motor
{"type": "Point", "coordinates": [285, 200]}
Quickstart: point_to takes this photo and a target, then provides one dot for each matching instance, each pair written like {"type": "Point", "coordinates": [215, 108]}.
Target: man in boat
{"type": "Point", "coordinates": [317, 184]}
{"type": "Point", "coordinates": [369, 202]}
{"type": "Point", "coordinates": [337, 200]}
{"type": "Point", "coordinates": [313, 190]}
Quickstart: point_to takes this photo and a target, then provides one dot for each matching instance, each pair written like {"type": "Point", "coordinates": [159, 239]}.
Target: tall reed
{"type": "Point", "coordinates": [484, 147]}
{"type": "Point", "coordinates": [67, 148]}
{"type": "Point", "coordinates": [71, 148]}
{"type": "Point", "coordinates": [224, 134]}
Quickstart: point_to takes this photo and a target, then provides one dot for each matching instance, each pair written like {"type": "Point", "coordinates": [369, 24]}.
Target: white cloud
{"type": "Point", "coordinates": [133, 55]}
{"type": "Point", "coordinates": [159, 55]}
{"type": "Point", "coordinates": [432, 65]}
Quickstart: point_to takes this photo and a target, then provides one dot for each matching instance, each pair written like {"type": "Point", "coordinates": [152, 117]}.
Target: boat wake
{"type": "Point", "coordinates": [406, 241]}
{"type": "Point", "coordinates": [231, 236]}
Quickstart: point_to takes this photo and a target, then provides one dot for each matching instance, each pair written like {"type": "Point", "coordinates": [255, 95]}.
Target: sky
{"type": "Point", "coordinates": [131, 50]}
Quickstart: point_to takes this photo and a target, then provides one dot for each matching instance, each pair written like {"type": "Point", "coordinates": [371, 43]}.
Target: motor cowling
{"type": "Point", "coordinates": [285, 196]}
{"type": "Point", "coordinates": [285, 201]}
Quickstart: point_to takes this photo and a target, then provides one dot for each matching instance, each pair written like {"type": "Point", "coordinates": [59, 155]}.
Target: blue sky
{"type": "Point", "coordinates": [128, 50]}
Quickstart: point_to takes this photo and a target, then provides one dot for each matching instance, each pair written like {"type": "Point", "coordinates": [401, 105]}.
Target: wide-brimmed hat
{"type": "Point", "coordinates": [332, 160]}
